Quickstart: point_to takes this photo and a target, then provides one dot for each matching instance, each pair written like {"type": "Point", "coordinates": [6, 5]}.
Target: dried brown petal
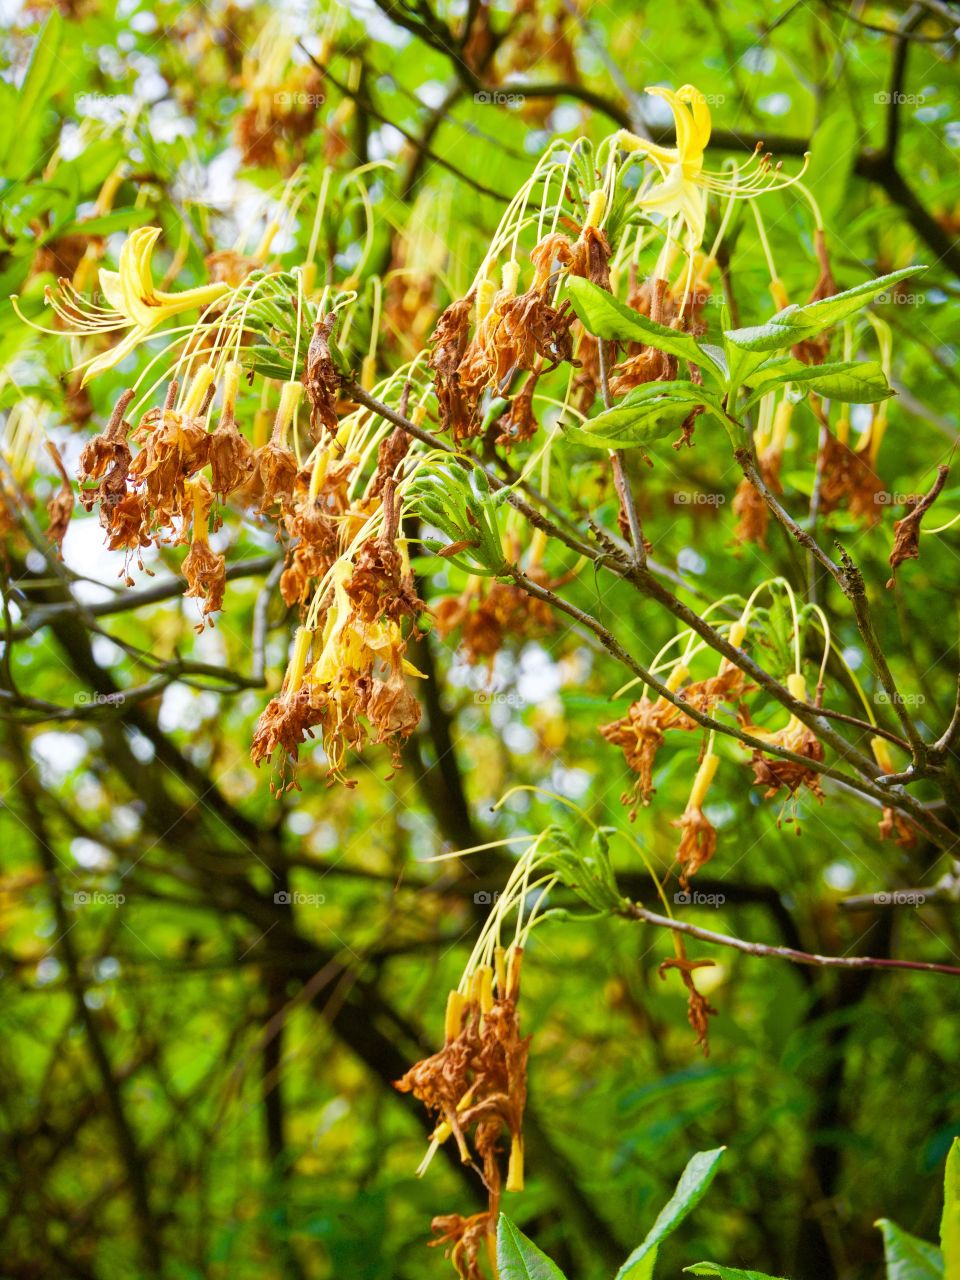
{"type": "Point", "coordinates": [906, 532]}
{"type": "Point", "coordinates": [321, 379]}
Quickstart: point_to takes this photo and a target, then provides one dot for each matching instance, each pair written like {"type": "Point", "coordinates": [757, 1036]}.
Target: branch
{"type": "Point", "coordinates": [633, 911]}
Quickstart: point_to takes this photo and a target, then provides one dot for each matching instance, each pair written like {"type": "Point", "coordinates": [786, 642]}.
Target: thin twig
{"type": "Point", "coordinates": [633, 911]}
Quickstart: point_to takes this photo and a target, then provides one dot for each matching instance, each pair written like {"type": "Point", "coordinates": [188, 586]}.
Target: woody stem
{"type": "Point", "coordinates": [621, 483]}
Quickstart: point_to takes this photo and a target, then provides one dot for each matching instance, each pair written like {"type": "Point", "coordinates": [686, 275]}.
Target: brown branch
{"type": "Point", "coordinates": [633, 911]}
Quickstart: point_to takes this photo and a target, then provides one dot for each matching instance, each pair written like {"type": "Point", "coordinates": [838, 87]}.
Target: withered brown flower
{"type": "Point", "coordinates": [321, 380]}
{"type": "Point", "coordinates": [478, 1082]}
{"type": "Point", "coordinates": [230, 456]}
{"type": "Point", "coordinates": [698, 842]}
{"type": "Point", "coordinates": [381, 585]}
{"type": "Point", "coordinates": [815, 350]}
{"type": "Point", "coordinates": [487, 613]}
{"type": "Point", "coordinates": [699, 1009]}
{"type": "Point", "coordinates": [204, 570]}
{"type": "Point", "coordinates": [173, 447]}
{"type": "Point", "coordinates": [848, 477]}
{"type": "Point", "coordinates": [640, 733]}
{"type": "Point", "coordinates": [60, 506]}
{"type": "Point", "coordinates": [906, 532]}
{"type": "Point", "coordinates": [106, 458]}
{"type": "Point", "coordinates": [773, 772]}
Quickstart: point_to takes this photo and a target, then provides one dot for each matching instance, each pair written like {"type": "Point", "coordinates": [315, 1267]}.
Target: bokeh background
{"type": "Point", "coordinates": [207, 991]}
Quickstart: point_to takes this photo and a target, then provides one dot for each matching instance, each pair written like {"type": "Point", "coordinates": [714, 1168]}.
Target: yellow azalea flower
{"type": "Point", "coordinates": [135, 304]}
{"type": "Point", "coordinates": [682, 192]}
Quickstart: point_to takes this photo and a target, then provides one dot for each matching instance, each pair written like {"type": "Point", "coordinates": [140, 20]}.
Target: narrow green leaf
{"type": "Point", "coordinates": [797, 323]}
{"type": "Point", "coordinates": [950, 1222]}
{"type": "Point", "coordinates": [38, 84]}
{"type": "Point", "coordinates": [694, 1181]}
{"type": "Point", "coordinates": [726, 1273]}
{"type": "Point", "coordinates": [519, 1258]}
{"type": "Point", "coordinates": [908, 1258]}
{"type": "Point", "coordinates": [648, 413]}
{"type": "Point", "coordinates": [849, 381]}
{"type": "Point", "coordinates": [117, 220]}
{"type": "Point", "coordinates": [608, 318]}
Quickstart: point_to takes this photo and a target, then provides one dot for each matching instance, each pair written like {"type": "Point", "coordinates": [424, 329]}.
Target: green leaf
{"type": "Point", "coordinates": [798, 323]}
{"type": "Point", "coordinates": [849, 381]}
{"type": "Point", "coordinates": [691, 1188]}
{"type": "Point", "coordinates": [950, 1221]}
{"type": "Point", "coordinates": [105, 225]}
{"type": "Point", "coordinates": [38, 84]}
{"type": "Point", "coordinates": [726, 1273]}
{"type": "Point", "coordinates": [606, 317]}
{"type": "Point", "coordinates": [647, 413]}
{"type": "Point", "coordinates": [519, 1258]}
{"type": "Point", "coordinates": [908, 1258]}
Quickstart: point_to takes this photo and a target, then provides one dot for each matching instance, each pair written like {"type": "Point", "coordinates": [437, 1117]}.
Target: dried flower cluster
{"type": "Point", "coordinates": [476, 1088]}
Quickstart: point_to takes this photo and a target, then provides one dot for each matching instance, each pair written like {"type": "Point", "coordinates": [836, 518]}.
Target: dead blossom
{"type": "Point", "coordinates": [230, 456]}
{"type": "Point", "coordinates": [476, 1089]}
{"type": "Point", "coordinates": [519, 421]}
{"type": "Point", "coordinates": [173, 449]}
{"type": "Point", "coordinates": [750, 507]}
{"type": "Point", "coordinates": [321, 379]}
{"type": "Point", "coordinates": [486, 615]}
{"type": "Point", "coordinates": [775, 773]}
{"type": "Point", "coordinates": [285, 724]}
{"type": "Point", "coordinates": [60, 506]}
{"type": "Point", "coordinates": [906, 532]}
{"type": "Point", "coordinates": [640, 733]}
{"type": "Point", "coordinates": [272, 479]}
{"type": "Point", "coordinates": [106, 458]}
{"type": "Point", "coordinates": [816, 350]}
{"type": "Point", "coordinates": [699, 1009]}
{"type": "Point", "coordinates": [381, 585]}
{"type": "Point", "coordinates": [698, 842]}
{"type": "Point", "coordinates": [848, 478]}
{"type": "Point", "coordinates": [204, 570]}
